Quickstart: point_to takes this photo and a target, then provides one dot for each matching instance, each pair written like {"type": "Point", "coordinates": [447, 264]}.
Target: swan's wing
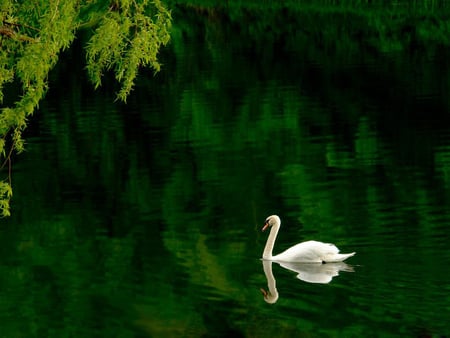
{"type": "Point", "coordinates": [338, 257]}
{"type": "Point", "coordinates": [309, 252]}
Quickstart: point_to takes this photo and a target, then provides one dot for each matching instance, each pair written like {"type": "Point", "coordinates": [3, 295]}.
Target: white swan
{"type": "Point", "coordinates": [306, 252]}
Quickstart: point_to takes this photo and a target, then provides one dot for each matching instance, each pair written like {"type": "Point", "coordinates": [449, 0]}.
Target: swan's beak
{"type": "Point", "coordinates": [266, 225]}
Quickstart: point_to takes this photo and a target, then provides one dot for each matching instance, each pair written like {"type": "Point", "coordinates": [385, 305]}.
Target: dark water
{"type": "Point", "coordinates": [143, 220]}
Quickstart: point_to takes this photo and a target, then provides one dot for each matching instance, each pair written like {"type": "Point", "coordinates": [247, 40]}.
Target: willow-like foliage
{"type": "Point", "coordinates": [125, 36]}
{"type": "Point", "coordinates": [126, 40]}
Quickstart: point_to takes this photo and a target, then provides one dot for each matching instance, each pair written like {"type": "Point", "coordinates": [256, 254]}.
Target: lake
{"type": "Point", "coordinates": [144, 219]}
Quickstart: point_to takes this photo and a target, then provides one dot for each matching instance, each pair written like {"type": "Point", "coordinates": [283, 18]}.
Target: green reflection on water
{"type": "Point", "coordinates": [144, 220]}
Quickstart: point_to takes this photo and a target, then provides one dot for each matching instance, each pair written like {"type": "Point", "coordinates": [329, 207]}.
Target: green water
{"type": "Point", "coordinates": [144, 220]}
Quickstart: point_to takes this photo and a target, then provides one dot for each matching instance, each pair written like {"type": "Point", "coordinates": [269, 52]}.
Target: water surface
{"type": "Point", "coordinates": [144, 220]}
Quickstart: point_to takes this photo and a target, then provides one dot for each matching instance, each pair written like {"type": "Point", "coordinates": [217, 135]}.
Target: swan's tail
{"type": "Point", "coordinates": [339, 257]}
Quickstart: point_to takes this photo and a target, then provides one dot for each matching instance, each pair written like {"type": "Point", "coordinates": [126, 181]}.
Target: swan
{"type": "Point", "coordinates": [306, 252]}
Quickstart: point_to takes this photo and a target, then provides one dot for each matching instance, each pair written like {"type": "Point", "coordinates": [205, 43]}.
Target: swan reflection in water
{"type": "Point", "coordinates": [307, 272]}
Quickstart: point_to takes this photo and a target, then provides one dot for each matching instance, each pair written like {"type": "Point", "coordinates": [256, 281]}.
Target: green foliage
{"type": "Point", "coordinates": [126, 35]}
{"type": "Point", "coordinates": [126, 40]}
{"type": "Point", "coordinates": [5, 195]}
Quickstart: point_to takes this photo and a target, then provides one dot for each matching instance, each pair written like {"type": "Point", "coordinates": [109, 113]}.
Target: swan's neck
{"type": "Point", "coordinates": [267, 253]}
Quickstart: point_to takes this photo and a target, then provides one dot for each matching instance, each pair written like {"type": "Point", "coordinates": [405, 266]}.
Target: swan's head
{"type": "Point", "coordinates": [270, 221]}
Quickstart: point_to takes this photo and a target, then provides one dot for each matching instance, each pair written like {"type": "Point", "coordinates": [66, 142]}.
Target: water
{"type": "Point", "coordinates": [144, 220]}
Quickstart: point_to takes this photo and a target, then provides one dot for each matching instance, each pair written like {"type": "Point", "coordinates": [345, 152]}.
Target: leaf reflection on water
{"type": "Point", "coordinates": [307, 272]}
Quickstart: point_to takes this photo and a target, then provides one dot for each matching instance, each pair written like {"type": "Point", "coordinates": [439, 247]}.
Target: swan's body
{"type": "Point", "coordinates": [306, 252]}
